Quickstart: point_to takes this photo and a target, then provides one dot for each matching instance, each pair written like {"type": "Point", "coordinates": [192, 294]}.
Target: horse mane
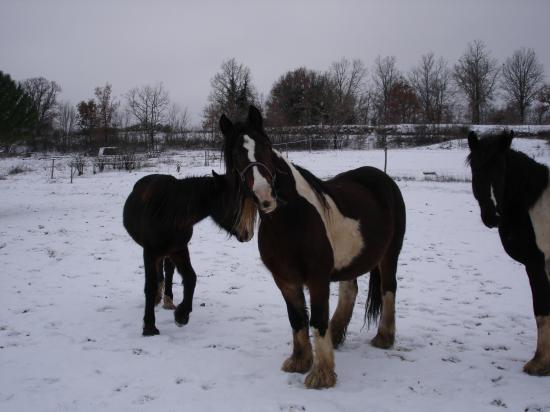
{"type": "Point", "coordinates": [316, 184]}
{"type": "Point", "coordinates": [227, 149]}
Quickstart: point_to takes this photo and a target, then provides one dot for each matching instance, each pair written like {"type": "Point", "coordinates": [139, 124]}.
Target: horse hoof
{"type": "Point", "coordinates": [320, 378]}
{"type": "Point", "coordinates": [337, 338]}
{"type": "Point", "coordinates": [297, 365]}
{"type": "Point", "coordinates": [182, 320]}
{"type": "Point", "coordinates": [537, 367]}
{"type": "Point", "coordinates": [382, 342]}
{"type": "Point", "coordinates": [150, 331]}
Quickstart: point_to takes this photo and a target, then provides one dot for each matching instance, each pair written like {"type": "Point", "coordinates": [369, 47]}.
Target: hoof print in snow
{"type": "Point", "coordinates": [499, 402]}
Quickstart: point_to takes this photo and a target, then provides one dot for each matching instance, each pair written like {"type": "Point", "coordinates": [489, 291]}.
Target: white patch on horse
{"type": "Point", "coordinates": [540, 219]}
{"type": "Point", "coordinates": [324, 351]}
{"type": "Point", "coordinates": [493, 197]}
{"type": "Point", "coordinates": [343, 233]}
{"type": "Point", "coordinates": [261, 187]}
{"type": "Point", "coordinates": [387, 319]}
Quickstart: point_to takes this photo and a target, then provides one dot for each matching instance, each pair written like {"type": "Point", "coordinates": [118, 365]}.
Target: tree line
{"type": "Point", "coordinates": [476, 89]}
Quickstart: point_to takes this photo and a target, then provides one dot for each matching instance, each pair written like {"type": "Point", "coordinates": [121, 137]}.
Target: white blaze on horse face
{"type": "Point", "coordinates": [343, 233]}
{"type": "Point", "coordinates": [540, 219]}
{"type": "Point", "coordinates": [260, 187]}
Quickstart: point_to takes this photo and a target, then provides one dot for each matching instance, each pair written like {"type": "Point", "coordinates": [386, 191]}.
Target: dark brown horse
{"type": "Point", "coordinates": [513, 192]}
{"type": "Point", "coordinates": [314, 232]}
{"type": "Point", "coordinates": [160, 213]}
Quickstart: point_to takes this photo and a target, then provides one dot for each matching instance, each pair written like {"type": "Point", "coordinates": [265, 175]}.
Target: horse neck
{"type": "Point", "coordinates": [195, 198]}
{"type": "Point", "coordinates": [299, 182]}
{"type": "Point", "coordinates": [220, 211]}
{"type": "Point", "coordinates": [525, 179]}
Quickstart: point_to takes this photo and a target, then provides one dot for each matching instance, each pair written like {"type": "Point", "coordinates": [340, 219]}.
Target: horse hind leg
{"type": "Point", "coordinates": [385, 278]}
{"type": "Point", "coordinates": [151, 264]}
{"type": "Point", "coordinates": [169, 268]}
{"type": "Point", "coordinates": [540, 289]}
{"type": "Point", "coordinates": [160, 280]}
{"type": "Point", "coordinates": [347, 293]}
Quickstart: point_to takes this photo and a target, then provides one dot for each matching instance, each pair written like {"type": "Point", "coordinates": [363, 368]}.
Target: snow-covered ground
{"type": "Point", "coordinates": [71, 300]}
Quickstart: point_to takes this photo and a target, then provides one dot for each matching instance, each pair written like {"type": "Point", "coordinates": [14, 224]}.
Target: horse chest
{"type": "Point", "coordinates": [540, 219]}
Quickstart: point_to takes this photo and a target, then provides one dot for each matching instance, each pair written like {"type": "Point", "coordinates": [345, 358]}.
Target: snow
{"type": "Point", "coordinates": [72, 303]}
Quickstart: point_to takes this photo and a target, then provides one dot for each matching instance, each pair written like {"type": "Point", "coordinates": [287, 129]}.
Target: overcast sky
{"type": "Point", "coordinates": [83, 44]}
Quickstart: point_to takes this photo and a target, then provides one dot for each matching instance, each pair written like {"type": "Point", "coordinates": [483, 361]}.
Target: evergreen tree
{"type": "Point", "coordinates": [17, 114]}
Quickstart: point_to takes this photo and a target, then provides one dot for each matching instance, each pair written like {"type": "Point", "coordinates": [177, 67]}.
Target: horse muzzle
{"type": "Point", "coordinates": [265, 200]}
{"type": "Point", "coordinates": [245, 237]}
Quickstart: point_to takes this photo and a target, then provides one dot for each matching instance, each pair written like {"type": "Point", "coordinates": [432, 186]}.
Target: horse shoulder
{"type": "Point", "coordinates": [539, 214]}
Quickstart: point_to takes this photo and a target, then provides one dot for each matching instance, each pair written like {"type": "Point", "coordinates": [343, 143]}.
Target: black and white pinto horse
{"type": "Point", "coordinates": [159, 215]}
{"type": "Point", "coordinates": [314, 232]}
{"type": "Point", "coordinates": [513, 192]}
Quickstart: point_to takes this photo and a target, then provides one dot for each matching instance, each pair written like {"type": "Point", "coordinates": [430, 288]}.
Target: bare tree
{"type": "Point", "coordinates": [148, 104]}
{"type": "Point", "coordinates": [385, 75]}
{"type": "Point", "coordinates": [431, 83]}
{"type": "Point", "coordinates": [476, 74]}
{"type": "Point", "coordinates": [106, 108]}
{"type": "Point", "coordinates": [542, 107]}
{"type": "Point", "coordinates": [347, 78]}
{"type": "Point", "coordinates": [365, 105]}
{"type": "Point", "coordinates": [522, 79]}
{"type": "Point", "coordinates": [232, 92]}
{"type": "Point", "coordinates": [66, 119]}
{"type": "Point", "coordinates": [43, 93]}
{"type": "Point", "coordinates": [177, 120]}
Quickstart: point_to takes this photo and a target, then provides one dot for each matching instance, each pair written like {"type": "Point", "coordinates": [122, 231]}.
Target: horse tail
{"type": "Point", "coordinates": [374, 298]}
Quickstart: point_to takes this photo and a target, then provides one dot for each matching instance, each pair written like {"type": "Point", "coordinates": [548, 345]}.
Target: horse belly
{"type": "Point", "coordinates": [540, 219]}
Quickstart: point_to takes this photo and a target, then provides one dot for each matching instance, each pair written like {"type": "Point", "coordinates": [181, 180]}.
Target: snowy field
{"type": "Point", "coordinates": [72, 305]}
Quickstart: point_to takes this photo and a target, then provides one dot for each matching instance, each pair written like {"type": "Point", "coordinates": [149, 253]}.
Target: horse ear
{"type": "Point", "coordinates": [506, 140]}
{"type": "Point", "coordinates": [472, 140]}
{"type": "Point", "coordinates": [255, 118]}
{"type": "Point", "coordinates": [226, 126]}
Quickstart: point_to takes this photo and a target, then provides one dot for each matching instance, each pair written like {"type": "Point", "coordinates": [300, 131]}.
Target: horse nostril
{"type": "Point", "coordinates": [266, 204]}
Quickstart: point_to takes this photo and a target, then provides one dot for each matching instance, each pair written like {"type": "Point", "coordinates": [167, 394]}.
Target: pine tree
{"type": "Point", "coordinates": [17, 114]}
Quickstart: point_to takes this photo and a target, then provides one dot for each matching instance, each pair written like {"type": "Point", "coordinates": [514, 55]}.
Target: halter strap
{"type": "Point", "coordinates": [251, 165]}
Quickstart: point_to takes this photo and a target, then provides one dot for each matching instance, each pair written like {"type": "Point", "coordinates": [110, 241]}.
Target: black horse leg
{"type": "Point", "coordinates": [540, 289]}
{"type": "Point", "coordinates": [168, 302]}
{"type": "Point", "coordinates": [302, 356]}
{"type": "Point", "coordinates": [151, 262]}
{"type": "Point", "coordinates": [322, 374]}
{"type": "Point", "coordinates": [183, 263]}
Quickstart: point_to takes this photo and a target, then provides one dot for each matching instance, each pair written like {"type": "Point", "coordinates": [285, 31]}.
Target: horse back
{"type": "Point", "coordinates": [150, 211]}
{"type": "Point", "coordinates": [378, 191]}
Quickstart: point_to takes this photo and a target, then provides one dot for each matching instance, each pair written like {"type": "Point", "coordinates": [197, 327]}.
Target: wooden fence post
{"type": "Point", "coordinates": [53, 163]}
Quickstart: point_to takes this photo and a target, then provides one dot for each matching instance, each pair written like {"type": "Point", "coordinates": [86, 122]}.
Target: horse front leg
{"type": "Point", "coordinates": [540, 288]}
{"type": "Point", "coordinates": [322, 374]}
{"type": "Point", "coordinates": [302, 356]}
{"type": "Point", "coordinates": [189, 277]}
